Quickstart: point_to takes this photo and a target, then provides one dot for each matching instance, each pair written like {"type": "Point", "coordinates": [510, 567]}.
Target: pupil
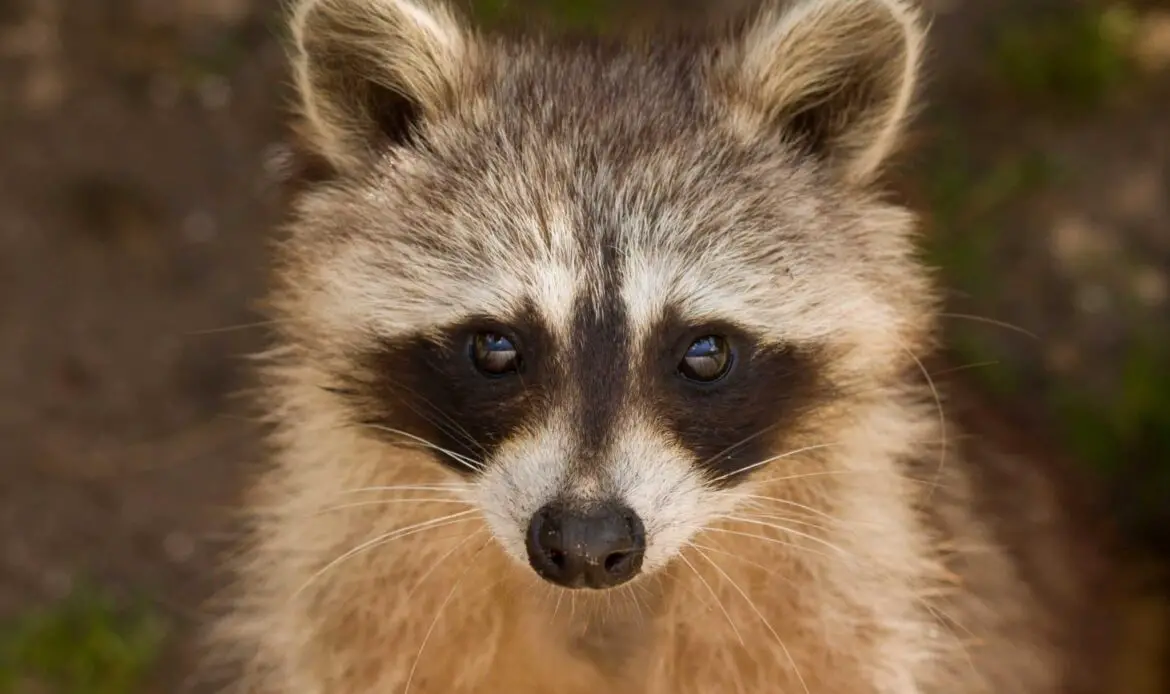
{"type": "Point", "coordinates": [707, 359]}
{"type": "Point", "coordinates": [494, 354]}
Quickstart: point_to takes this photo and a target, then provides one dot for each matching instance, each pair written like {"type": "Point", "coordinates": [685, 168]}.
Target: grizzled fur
{"type": "Point", "coordinates": [812, 524]}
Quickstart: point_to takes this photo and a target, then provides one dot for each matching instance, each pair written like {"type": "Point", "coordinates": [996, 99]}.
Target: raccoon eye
{"type": "Point", "coordinates": [494, 354]}
{"type": "Point", "coordinates": [707, 360]}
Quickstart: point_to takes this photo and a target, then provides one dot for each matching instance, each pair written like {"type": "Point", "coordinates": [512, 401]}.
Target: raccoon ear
{"type": "Point", "coordinates": [368, 71]}
{"type": "Point", "coordinates": [835, 76]}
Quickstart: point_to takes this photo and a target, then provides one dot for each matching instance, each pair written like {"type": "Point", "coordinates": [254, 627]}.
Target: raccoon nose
{"type": "Point", "coordinates": [598, 548]}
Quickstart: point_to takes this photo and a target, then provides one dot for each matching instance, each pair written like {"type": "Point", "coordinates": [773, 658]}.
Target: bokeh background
{"type": "Point", "coordinates": [140, 151]}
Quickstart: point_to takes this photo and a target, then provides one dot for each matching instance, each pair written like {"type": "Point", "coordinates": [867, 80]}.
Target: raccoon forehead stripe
{"type": "Point", "coordinates": [599, 364]}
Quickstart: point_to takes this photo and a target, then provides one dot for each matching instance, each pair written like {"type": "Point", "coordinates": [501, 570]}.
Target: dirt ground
{"type": "Point", "coordinates": [139, 143]}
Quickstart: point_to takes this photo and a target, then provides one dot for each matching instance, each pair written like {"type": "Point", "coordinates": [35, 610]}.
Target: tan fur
{"type": "Point", "coordinates": [889, 578]}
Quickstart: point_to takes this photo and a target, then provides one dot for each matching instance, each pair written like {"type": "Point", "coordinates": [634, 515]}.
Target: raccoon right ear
{"type": "Point", "coordinates": [834, 76]}
{"type": "Point", "coordinates": [369, 71]}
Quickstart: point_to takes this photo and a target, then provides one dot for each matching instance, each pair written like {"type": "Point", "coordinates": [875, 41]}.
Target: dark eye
{"type": "Point", "coordinates": [494, 354]}
{"type": "Point", "coordinates": [708, 359]}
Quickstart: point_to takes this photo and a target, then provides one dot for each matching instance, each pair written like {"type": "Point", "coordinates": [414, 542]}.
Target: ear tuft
{"type": "Point", "coordinates": [837, 77]}
{"type": "Point", "coordinates": [369, 71]}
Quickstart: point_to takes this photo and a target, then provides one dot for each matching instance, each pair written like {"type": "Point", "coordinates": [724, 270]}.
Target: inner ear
{"type": "Point", "coordinates": [821, 123]}
{"type": "Point", "coordinates": [395, 115]}
{"type": "Point", "coordinates": [371, 72]}
{"type": "Point", "coordinates": [835, 78]}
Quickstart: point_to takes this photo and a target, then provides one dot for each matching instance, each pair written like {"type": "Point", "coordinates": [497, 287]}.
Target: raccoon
{"type": "Point", "coordinates": [599, 367]}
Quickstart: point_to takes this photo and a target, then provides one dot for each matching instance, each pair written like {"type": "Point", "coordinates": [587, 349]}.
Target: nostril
{"type": "Point", "coordinates": [617, 562]}
{"type": "Point", "coordinates": [546, 547]}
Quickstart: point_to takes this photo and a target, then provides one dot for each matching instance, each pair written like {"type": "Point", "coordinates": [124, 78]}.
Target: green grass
{"type": "Point", "coordinates": [1122, 435]}
{"type": "Point", "coordinates": [1071, 58]}
{"type": "Point", "coordinates": [1131, 429]}
{"type": "Point", "coordinates": [87, 644]}
{"type": "Point", "coordinates": [968, 200]}
{"type": "Point", "coordinates": [565, 14]}
{"type": "Point", "coordinates": [1126, 439]}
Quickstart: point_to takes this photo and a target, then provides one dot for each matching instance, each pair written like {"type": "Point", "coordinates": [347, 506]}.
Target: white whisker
{"type": "Point", "coordinates": [736, 445]}
{"type": "Point", "coordinates": [773, 459]}
{"type": "Point", "coordinates": [786, 519]}
{"type": "Point", "coordinates": [439, 562]}
{"type": "Point", "coordinates": [992, 321]}
{"type": "Point", "coordinates": [385, 538]}
{"type": "Point", "coordinates": [456, 486]}
{"type": "Point", "coordinates": [785, 502]}
{"type": "Point", "coordinates": [767, 624]}
{"type": "Point", "coordinates": [765, 538]}
{"type": "Point", "coordinates": [385, 502]}
{"type": "Point", "coordinates": [714, 595]}
{"type": "Point", "coordinates": [942, 422]}
{"type": "Point", "coordinates": [474, 465]}
{"type": "Point", "coordinates": [837, 523]}
{"type": "Point", "coordinates": [823, 473]}
{"type": "Point", "coordinates": [781, 528]}
{"type": "Point", "coordinates": [439, 613]}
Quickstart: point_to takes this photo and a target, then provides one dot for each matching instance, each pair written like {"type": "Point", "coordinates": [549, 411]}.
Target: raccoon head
{"type": "Point", "coordinates": [606, 282]}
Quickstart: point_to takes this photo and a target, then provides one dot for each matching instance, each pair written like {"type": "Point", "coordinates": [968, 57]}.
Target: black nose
{"type": "Point", "coordinates": [600, 547]}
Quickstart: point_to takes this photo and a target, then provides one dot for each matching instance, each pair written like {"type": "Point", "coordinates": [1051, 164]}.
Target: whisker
{"type": "Point", "coordinates": [765, 538]}
{"type": "Point", "coordinates": [785, 502]}
{"type": "Point", "coordinates": [557, 606]}
{"type": "Point", "coordinates": [837, 523]}
{"type": "Point", "coordinates": [992, 321]}
{"type": "Point", "coordinates": [821, 473]}
{"type": "Point", "coordinates": [942, 422]}
{"type": "Point", "coordinates": [385, 538]}
{"type": "Point", "coordinates": [232, 328]}
{"type": "Point", "coordinates": [943, 618]}
{"type": "Point", "coordinates": [439, 562]}
{"type": "Point", "coordinates": [411, 488]}
{"type": "Point", "coordinates": [967, 367]}
{"type": "Point", "coordinates": [474, 465]}
{"type": "Point", "coordinates": [938, 613]}
{"type": "Point", "coordinates": [767, 624]}
{"type": "Point", "coordinates": [756, 510]}
{"type": "Point", "coordinates": [781, 528]}
{"type": "Point", "coordinates": [773, 459]}
{"type": "Point", "coordinates": [769, 570]}
{"type": "Point", "coordinates": [430, 446]}
{"type": "Point", "coordinates": [439, 613]}
{"type": "Point", "coordinates": [789, 519]}
{"type": "Point", "coordinates": [458, 428]}
{"type": "Point", "coordinates": [736, 445]}
{"type": "Point", "coordinates": [384, 502]}
{"type": "Point", "coordinates": [714, 595]}
{"type": "Point", "coordinates": [737, 557]}
{"type": "Point", "coordinates": [459, 433]}
{"type": "Point", "coordinates": [642, 607]}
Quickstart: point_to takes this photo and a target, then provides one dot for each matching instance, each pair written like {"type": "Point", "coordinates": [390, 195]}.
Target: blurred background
{"type": "Point", "coordinates": [140, 150]}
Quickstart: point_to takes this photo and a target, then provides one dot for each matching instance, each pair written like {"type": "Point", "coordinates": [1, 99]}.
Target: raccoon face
{"type": "Point", "coordinates": [606, 284]}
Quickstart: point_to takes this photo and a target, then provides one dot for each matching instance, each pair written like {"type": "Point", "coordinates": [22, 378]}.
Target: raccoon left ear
{"type": "Point", "coordinates": [369, 72]}
{"type": "Point", "coordinates": [835, 76]}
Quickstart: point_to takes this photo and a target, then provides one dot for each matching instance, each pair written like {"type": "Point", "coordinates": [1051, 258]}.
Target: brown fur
{"type": "Point", "coordinates": [895, 574]}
